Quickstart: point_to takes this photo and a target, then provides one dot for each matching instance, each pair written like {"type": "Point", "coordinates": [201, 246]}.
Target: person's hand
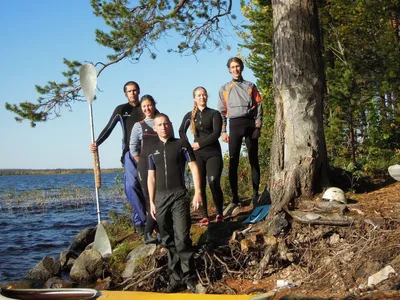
{"type": "Point", "coordinates": [195, 146]}
{"type": "Point", "coordinates": [196, 202]}
{"type": "Point", "coordinates": [225, 137]}
{"type": "Point", "coordinates": [93, 147]}
{"type": "Point", "coordinates": [256, 133]}
{"type": "Point", "coordinates": [153, 211]}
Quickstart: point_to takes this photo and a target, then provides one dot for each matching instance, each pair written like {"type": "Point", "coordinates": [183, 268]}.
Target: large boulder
{"type": "Point", "coordinates": [78, 245]}
{"type": "Point", "coordinates": [88, 267]}
{"type": "Point", "coordinates": [48, 267]}
{"type": "Point", "coordinates": [80, 241]}
{"type": "Point", "coordinates": [134, 258]}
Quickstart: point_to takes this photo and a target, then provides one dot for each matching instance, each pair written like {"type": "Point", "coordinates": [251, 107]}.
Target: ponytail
{"type": "Point", "coordinates": [192, 122]}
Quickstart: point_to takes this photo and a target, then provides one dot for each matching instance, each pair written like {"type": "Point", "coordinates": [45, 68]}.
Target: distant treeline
{"type": "Point", "coordinates": [4, 172]}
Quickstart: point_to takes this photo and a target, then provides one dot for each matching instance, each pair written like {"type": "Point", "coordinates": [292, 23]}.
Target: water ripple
{"type": "Point", "coordinates": [30, 232]}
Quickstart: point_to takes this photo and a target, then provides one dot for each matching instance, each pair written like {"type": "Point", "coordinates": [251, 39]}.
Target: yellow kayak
{"type": "Point", "coordinates": [114, 295]}
{"type": "Point", "coordinates": [85, 294]}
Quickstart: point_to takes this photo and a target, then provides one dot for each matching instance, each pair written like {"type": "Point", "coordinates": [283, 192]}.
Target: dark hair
{"type": "Point", "coordinates": [235, 59]}
{"type": "Point", "coordinates": [146, 98]}
{"type": "Point", "coordinates": [131, 83]}
{"type": "Point", "coordinates": [161, 115]}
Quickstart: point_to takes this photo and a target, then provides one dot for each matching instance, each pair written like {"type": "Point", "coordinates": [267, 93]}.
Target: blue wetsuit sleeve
{"type": "Point", "coordinates": [151, 163]}
{"type": "Point", "coordinates": [184, 126]}
{"type": "Point", "coordinates": [216, 133]}
{"type": "Point", "coordinates": [188, 151]}
{"type": "Point", "coordinates": [136, 139]}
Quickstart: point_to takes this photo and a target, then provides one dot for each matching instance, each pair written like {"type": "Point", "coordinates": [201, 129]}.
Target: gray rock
{"type": "Point", "coordinates": [104, 285]}
{"type": "Point", "coordinates": [88, 267]}
{"type": "Point", "coordinates": [81, 240]}
{"type": "Point", "coordinates": [134, 258]}
{"type": "Point", "coordinates": [380, 276]}
{"type": "Point", "coordinates": [56, 283]}
{"type": "Point", "coordinates": [48, 267]}
{"type": "Point", "coordinates": [66, 261]}
{"type": "Point", "coordinates": [200, 289]}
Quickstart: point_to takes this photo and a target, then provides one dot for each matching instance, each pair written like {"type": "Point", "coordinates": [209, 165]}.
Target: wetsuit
{"type": "Point", "coordinates": [240, 101]}
{"type": "Point", "coordinates": [173, 204]}
{"type": "Point", "coordinates": [142, 138]}
{"type": "Point", "coordinates": [209, 155]}
{"type": "Point", "coordinates": [127, 115]}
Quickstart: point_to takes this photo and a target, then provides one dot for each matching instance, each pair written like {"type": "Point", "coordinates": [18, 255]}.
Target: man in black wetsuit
{"type": "Point", "coordinates": [127, 115]}
{"type": "Point", "coordinates": [170, 203]}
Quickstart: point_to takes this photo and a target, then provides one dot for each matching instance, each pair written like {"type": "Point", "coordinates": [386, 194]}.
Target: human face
{"type": "Point", "coordinates": [235, 69]}
{"type": "Point", "coordinates": [162, 127]}
{"type": "Point", "coordinates": [132, 94]}
{"type": "Point", "coordinates": [147, 108]}
{"type": "Point", "coordinates": [200, 97]}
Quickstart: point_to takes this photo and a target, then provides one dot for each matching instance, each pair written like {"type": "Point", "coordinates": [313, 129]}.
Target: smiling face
{"type": "Point", "coordinates": [235, 69]}
{"type": "Point", "coordinates": [147, 107]}
{"type": "Point", "coordinates": [200, 97]}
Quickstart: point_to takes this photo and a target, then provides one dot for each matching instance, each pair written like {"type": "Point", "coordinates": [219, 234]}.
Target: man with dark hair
{"type": "Point", "coordinates": [240, 102]}
{"type": "Point", "coordinates": [127, 115]}
{"type": "Point", "coordinates": [170, 203]}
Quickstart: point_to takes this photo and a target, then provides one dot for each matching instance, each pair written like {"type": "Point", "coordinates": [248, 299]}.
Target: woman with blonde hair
{"type": "Point", "coordinates": [206, 124]}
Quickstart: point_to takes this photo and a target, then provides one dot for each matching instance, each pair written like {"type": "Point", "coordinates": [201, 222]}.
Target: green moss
{"type": "Point", "coordinates": [196, 233]}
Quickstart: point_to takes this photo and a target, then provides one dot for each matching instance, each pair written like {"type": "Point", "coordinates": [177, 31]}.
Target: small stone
{"type": "Point", "coordinates": [380, 276]}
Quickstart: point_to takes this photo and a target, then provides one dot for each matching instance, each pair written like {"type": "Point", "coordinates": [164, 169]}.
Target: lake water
{"type": "Point", "coordinates": [40, 214]}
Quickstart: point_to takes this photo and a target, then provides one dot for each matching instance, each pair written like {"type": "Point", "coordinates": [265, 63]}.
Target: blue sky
{"type": "Point", "coordinates": [36, 36]}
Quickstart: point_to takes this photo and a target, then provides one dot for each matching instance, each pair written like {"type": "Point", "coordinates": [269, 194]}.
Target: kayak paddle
{"type": "Point", "coordinates": [88, 80]}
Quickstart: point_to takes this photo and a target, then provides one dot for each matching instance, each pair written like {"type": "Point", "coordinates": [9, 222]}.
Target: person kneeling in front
{"type": "Point", "coordinates": [170, 202]}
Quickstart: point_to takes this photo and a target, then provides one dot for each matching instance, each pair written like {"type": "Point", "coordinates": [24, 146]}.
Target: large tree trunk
{"type": "Point", "coordinates": [298, 161]}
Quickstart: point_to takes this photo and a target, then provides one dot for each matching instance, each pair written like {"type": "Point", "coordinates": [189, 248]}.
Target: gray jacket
{"type": "Point", "coordinates": [240, 99]}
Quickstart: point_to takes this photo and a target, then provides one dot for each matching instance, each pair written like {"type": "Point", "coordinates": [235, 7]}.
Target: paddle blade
{"type": "Point", "coordinates": [88, 80]}
{"type": "Point", "coordinates": [101, 242]}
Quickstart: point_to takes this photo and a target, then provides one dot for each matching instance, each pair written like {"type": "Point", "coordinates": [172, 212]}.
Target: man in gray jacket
{"type": "Point", "coordinates": [240, 102]}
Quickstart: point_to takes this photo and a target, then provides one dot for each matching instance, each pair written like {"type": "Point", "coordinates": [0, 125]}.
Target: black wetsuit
{"type": "Point", "coordinates": [149, 138]}
{"type": "Point", "coordinates": [127, 115]}
{"type": "Point", "coordinates": [173, 204]}
{"type": "Point", "coordinates": [208, 156]}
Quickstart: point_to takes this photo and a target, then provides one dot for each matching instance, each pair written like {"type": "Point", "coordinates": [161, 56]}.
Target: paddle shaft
{"type": "Point", "coordinates": [96, 167]}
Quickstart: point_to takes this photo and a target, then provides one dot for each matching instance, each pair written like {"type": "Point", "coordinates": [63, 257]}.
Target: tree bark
{"type": "Point", "coordinates": [298, 159]}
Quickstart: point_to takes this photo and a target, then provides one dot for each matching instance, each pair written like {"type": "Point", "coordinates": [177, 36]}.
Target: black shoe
{"type": "Point", "coordinates": [149, 239]}
{"type": "Point", "coordinates": [174, 287]}
{"type": "Point", "coordinates": [139, 229]}
{"type": "Point", "coordinates": [191, 285]}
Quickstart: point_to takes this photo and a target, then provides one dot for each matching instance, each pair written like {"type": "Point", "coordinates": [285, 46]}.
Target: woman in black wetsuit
{"type": "Point", "coordinates": [205, 124]}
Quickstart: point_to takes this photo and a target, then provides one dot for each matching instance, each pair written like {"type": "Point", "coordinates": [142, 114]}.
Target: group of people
{"type": "Point", "coordinates": [154, 163]}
